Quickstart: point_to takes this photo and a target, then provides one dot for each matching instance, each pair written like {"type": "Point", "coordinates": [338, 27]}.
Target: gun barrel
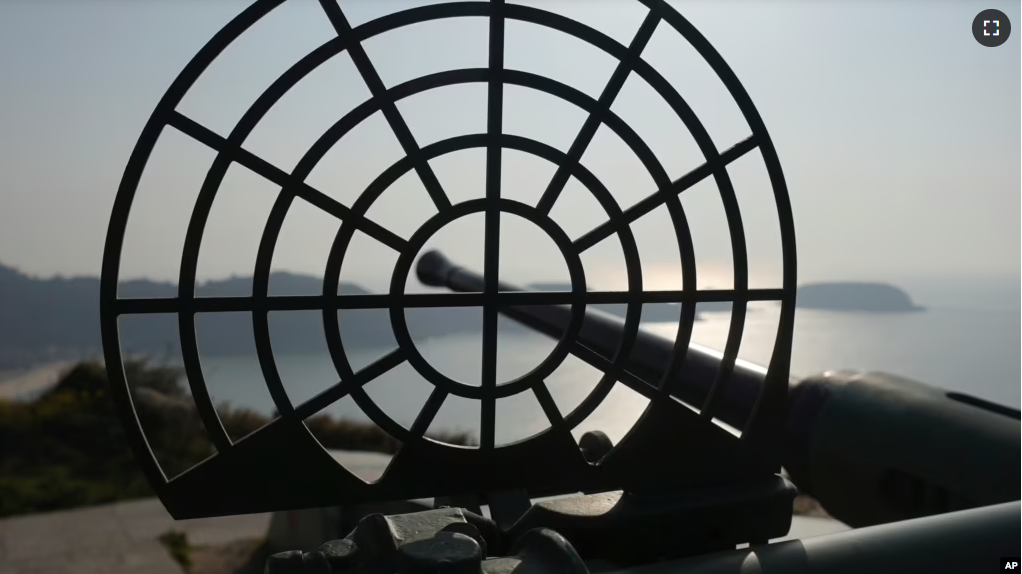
{"type": "Point", "coordinates": [959, 541]}
{"type": "Point", "coordinates": [915, 450]}
{"type": "Point", "coordinates": [602, 333]}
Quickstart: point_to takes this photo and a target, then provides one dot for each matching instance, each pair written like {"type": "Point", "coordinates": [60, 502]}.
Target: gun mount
{"type": "Point", "coordinates": [677, 484]}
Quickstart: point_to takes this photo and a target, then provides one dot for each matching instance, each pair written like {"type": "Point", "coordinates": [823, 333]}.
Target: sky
{"type": "Point", "coordinates": [896, 131]}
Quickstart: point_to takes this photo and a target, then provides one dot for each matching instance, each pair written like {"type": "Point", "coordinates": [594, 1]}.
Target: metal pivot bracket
{"type": "Point", "coordinates": [616, 528]}
{"type": "Point", "coordinates": [620, 527]}
{"type": "Point", "coordinates": [445, 540]}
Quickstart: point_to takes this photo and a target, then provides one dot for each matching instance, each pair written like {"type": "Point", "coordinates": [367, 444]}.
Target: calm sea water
{"type": "Point", "coordinates": [960, 348]}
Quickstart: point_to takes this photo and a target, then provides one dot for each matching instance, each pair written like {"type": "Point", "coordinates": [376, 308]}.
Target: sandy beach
{"type": "Point", "coordinates": [21, 384]}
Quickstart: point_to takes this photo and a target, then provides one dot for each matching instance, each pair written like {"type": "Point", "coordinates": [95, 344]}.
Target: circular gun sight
{"type": "Point", "coordinates": [433, 269]}
{"type": "Point", "coordinates": [431, 468]}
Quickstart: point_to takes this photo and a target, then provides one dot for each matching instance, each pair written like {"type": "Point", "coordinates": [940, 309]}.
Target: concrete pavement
{"type": "Point", "coordinates": [123, 537]}
{"type": "Point", "coordinates": [110, 539]}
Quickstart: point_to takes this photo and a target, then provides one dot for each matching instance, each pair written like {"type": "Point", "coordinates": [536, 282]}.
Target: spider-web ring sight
{"type": "Point", "coordinates": [761, 429]}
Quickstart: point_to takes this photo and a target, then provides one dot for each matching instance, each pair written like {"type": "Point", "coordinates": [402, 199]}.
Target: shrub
{"type": "Point", "coordinates": [68, 449]}
{"type": "Point", "coordinates": [177, 545]}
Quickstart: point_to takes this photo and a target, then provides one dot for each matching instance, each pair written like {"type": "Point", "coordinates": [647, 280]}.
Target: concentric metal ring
{"type": "Point", "coordinates": [765, 421]}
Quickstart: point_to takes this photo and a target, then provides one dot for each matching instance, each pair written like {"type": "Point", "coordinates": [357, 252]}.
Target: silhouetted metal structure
{"type": "Point", "coordinates": [676, 485]}
{"type": "Point", "coordinates": [237, 480]}
{"type": "Point", "coordinates": [914, 450]}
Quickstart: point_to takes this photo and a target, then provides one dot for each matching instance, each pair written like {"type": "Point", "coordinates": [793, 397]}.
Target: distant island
{"type": "Point", "coordinates": [57, 319]}
{"type": "Point", "coordinates": [855, 297]}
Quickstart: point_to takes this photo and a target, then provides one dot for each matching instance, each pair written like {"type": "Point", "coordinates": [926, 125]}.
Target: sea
{"type": "Point", "coordinates": [962, 345]}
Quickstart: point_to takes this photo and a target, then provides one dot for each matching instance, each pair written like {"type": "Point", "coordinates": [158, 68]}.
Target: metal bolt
{"type": "Point", "coordinates": [341, 554]}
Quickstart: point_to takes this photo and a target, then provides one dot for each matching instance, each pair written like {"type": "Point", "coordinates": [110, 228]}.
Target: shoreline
{"type": "Point", "coordinates": [25, 384]}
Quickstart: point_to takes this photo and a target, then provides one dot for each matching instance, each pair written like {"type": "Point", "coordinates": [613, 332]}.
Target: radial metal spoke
{"type": "Point", "coordinates": [344, 388]}
{"type": "Point", "coordinates": [151, 306]}
{"type": "Point", "coordinates": [596, 117]}
{"type": "Point", "coordinates": [238, 304]}
{"type": "Point", "coordinates": [387, 106]}
{"type": "Point", "coordinates": [536, 298]}
{"type": "Point", "coordinates": [428, 413]}
{"type": "Point", "coordinates": [491, 234]}
{"type": "Point", "coordinates": [628, 379]}
{"type": "Point", "coordinates": [658, 198]}
{"type": "Point", "coordinates": [279, 177]}
{"type": "Point", "coordinates": [488, 408]}
{"type": "Point", "coordinates": [546, 402]}
{"type": "Point", "coordinates": [653, 297]}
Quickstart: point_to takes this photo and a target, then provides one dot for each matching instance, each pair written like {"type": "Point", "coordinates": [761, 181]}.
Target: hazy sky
{"type": "Point", "coordinates": [896, 130]}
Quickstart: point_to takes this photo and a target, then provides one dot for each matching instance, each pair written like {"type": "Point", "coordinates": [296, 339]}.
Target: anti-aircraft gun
{"type": "Point", "coordinates": [930, 476]}
{"type": "Point", "coordinates": [875, 449]}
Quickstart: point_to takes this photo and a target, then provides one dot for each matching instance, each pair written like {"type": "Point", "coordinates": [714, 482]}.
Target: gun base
{"type": "Point", "coordinates": [615, 529]}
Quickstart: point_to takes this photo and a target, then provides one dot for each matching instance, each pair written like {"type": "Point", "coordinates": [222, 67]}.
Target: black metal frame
{"type": "Point", "coordinates": [281, 466]}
